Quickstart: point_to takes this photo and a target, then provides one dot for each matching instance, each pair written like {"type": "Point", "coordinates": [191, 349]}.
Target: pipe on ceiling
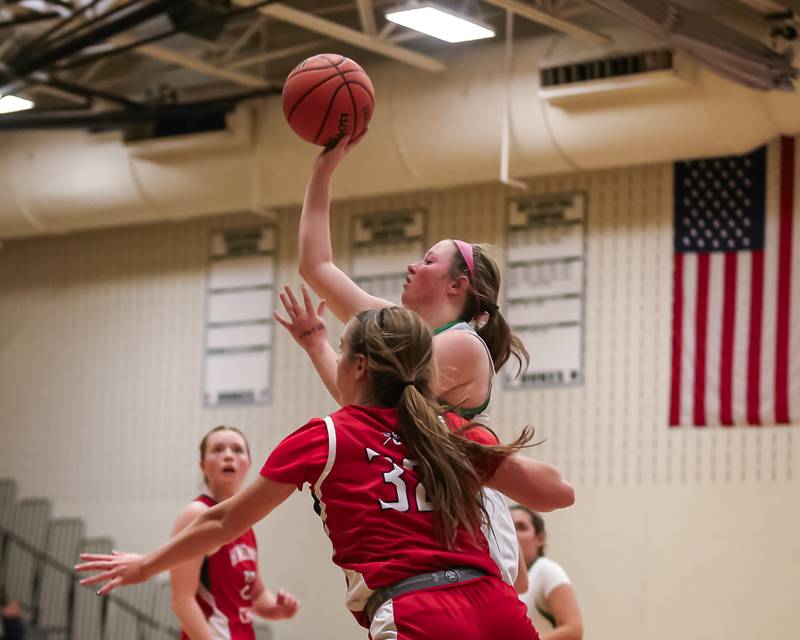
{"type": "Point", "coordinates": [428, 131]}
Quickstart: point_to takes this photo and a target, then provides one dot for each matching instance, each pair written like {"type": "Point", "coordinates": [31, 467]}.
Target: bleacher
{"type": "Point", "coordinates": [37, 553]}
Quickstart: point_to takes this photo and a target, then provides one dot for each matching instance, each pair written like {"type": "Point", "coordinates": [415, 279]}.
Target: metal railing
{"type": "Point", "coordinates": [31, 609]}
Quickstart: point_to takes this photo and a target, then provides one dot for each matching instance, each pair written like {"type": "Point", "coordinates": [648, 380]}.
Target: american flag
{"type": "Point", "coordinates": [736, 305]}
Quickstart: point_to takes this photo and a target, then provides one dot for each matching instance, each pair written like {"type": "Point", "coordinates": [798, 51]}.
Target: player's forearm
{"type": "Point", "coordinates": [191, 619]}
{"type": "Point", "coordinates": [206, 533]}
{"type": "Point", "coordinates": [323, 357]}
{"type": "Point", "coordinates": [314, 233]}
{"type": "Point", "coordinates": [536, 485]}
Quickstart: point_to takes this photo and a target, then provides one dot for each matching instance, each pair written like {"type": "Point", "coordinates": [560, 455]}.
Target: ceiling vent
{"type": "Point", "coordinates": [562, 84]}
{"type": "Point", "coordinates": [210, 133]}
{"type": "Point", "coordinates": [167, 128]}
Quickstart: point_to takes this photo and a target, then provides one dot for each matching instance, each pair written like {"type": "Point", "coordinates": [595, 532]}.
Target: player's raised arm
{"type": "Point", "coordinates": [307, 326]}
{"type": "Point", "coordinates": [344, 297]}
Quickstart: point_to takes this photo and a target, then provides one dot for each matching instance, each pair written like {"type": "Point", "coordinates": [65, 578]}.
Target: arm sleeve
{"type": "Point", "coordinates": [300, 457]}
{"type": "Point", "coordinates": [550, 576]}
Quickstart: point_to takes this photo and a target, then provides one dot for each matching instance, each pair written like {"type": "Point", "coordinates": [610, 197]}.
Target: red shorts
{"type": "Point", "coordinates": [482, 609]}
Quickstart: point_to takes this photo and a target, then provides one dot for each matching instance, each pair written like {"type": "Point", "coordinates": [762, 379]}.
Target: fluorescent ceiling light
{"type": "Point", "coordinates": [9, 104]}
{"type": "Point", "coordinates": [438, 22]}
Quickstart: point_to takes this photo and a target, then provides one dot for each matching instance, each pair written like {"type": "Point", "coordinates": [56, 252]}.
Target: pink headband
{"type": "Point", "coordinates": [465, 248]}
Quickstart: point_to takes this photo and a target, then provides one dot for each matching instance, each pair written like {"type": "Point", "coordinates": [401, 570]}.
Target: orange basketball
{"type": "Point", "coordinates": [326, 97]}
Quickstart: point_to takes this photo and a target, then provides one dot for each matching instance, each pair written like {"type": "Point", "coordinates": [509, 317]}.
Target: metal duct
{"type": "Point", "coordinates": [428, 132]}
{"type": "Point", "coordinates": [724, 50]}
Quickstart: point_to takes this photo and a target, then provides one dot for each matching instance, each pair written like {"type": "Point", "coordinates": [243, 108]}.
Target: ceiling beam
{"type": "Point", "coordinates": [57, 93]}
{"type": "Point", "coordinates": [89, 93]}
{"type": "Point", "coordinates": [570, 28]}
{"type": "Point", "coordinates": [244, 38]}
{"type": "Point", "coordinates": [367, 17]}
{"type": "Point", "coordinates": [346, 34]}
{"type": "Point", "coordinates": [267, 56]}
{"type": "Point", "coordinates": [6, 45]}
{"type": "Point", "coordinates": [28, 18]}
{"type": "Point", "coordinates": [189, 62]}
{"type": "Point", "coordinates": [773, 6]}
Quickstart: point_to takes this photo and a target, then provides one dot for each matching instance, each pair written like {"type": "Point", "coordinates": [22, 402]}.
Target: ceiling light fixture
{"type": "Point", "coordinates": [439, 22]}
{"type": "Point", "coordinates": [9, 104]}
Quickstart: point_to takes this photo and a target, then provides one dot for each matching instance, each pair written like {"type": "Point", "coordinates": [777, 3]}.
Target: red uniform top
{"type": "Point", "coordinates": [226, 582]}
{"type": "Point", "coordinates": [370, 499]}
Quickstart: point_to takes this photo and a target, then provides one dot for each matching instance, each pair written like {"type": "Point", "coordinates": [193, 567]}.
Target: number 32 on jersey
{"type": "Point", "coordinates": [394, 477]}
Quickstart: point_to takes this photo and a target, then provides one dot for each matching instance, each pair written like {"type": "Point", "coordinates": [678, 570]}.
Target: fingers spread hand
{"type": "Point", "coordinates": [106, 589]}
{"type": "Point", "coordinates": [307, 299]}
{"type": "Point", "coordinates": [292, 299]}
{"type": "Point", "coordinates": [100, 577]}
{"type": "Point", "coordinates": [287, 305]}
{"type": "Point", "coordinates": [280, 319]}
{"type": "Point", "coordinates": [96, 556]}
{"type": "Point", "coordinates": [95, 565]}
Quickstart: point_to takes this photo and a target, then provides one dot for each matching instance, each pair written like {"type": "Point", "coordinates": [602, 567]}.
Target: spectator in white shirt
{"type": "Point", "coordinates": [550, 596]}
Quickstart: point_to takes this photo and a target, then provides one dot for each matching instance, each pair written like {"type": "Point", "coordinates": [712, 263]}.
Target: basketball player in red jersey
{"type": "Point", "coordinates": [454, 287]}
{"type": "Point", "coordinates": [396, 491]}
{"type": "Point", "coordinates": [214, 596]}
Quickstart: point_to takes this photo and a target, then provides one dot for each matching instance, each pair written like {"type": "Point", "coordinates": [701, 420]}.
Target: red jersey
{"type": "Point", "coordinates": [226, 583]}
{"type": "Point", "coordinates": [371, 501]}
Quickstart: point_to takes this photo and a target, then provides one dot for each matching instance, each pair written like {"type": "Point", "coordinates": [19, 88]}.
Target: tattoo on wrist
{"type": "Point", "coordinates": [314, 329]}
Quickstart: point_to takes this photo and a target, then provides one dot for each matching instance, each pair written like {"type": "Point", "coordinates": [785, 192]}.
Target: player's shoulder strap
{"type": "Point", "coordinates": [206, 500]}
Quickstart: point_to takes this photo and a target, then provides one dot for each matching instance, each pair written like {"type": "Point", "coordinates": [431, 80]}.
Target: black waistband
{"type": "Point", "coordinates": [445, 577]}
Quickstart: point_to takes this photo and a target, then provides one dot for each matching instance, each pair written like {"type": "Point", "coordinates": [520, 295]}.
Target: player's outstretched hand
{"type": "Point", "coordinates": [329, 159]}
{"type": "Point", "coordinates": [305, 323]}
{"type": "Point", "coordinates": [118, 569]}
{"type": "Point", "coordinates": [286, 605]}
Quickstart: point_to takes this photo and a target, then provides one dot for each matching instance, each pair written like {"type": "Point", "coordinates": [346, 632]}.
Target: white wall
{"type": "Point", "coordinates": [682, 533]}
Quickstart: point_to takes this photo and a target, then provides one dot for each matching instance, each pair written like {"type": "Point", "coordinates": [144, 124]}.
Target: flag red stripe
{"type": "Point", "coordinates": [784, 283]}
{"type": "Point", "coordinates": [700, 331]}
{"type": "Point", "coordinates": [727, 341]}
{"type": "Point", "coordinates": [677, 337]}
{"type": "Point", "coordinates": [754, 341]}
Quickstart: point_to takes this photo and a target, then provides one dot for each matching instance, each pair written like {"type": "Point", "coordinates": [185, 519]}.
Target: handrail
{"type": "Point", "coordinates": [53, 563]}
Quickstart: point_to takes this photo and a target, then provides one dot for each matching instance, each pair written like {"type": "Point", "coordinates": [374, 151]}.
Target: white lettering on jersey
{"type": "Point", "coordinates": [392, 435]}
{"type": "Point", "coordinates": [242, 553]}
{"type": "Point", "coordinates": [394, 477]}
{"type": "Point", "coordinates": [246, 591]}
{"type": "Point", "coordinates": [423, 504]}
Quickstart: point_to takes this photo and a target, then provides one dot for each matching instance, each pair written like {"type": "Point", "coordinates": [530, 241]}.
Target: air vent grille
{"type": "Point", "coordinates": [170, 127]}
{"type": "Point", "coordinates": [610, 67]}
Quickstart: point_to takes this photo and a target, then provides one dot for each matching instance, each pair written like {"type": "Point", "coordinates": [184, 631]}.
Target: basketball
{"type": "Point", "coordinates": [326, 97]}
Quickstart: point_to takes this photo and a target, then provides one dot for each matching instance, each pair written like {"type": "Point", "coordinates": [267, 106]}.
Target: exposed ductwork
{"type": "Point", "coordinates": [429, 131]}
{"type": "Point", "coordinates": [716, 46]}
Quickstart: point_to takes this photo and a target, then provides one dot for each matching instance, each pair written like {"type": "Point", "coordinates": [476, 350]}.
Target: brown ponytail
{"type": "Point", "coordinates": [482, 299]}
{"type": "Point", "coordinates": [398, 347]}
